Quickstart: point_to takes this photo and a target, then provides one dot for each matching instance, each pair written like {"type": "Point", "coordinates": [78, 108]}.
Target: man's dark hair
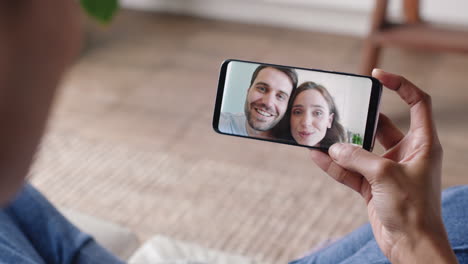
{"type": "Point", "coordinates": [291, 73]}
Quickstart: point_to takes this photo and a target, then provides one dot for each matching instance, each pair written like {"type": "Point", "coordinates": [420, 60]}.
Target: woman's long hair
{"type": "Point", "coordinates": [335, 133]}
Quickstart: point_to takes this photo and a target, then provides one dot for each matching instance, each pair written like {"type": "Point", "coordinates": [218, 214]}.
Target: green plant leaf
{"type": "Point", "coordinates": [102, 10]}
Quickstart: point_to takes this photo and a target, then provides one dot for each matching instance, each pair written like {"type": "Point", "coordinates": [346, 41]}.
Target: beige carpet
{"type": "Point", "coordinates": [130, 138]}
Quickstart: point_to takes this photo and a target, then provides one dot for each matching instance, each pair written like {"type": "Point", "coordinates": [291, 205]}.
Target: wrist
{"type": "Point", "coordinates": [429, 247]}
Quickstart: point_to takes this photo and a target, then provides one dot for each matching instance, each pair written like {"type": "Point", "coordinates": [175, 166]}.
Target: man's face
{"type": "Point", "coordinates": [267, 99]}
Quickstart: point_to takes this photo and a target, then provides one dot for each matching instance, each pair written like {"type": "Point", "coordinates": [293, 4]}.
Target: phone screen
{"type": "Point", "coordinates": [297, 106]}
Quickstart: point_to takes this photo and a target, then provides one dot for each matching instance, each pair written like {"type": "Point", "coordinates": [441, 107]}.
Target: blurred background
{"type": "Point", "coordinates": [130, 138]}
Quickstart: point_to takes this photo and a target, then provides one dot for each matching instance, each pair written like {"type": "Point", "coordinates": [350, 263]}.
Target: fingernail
{"type": "Point", "coordinates": [334, 150]}
{"type": "Point", "coordinates": [377, 71]}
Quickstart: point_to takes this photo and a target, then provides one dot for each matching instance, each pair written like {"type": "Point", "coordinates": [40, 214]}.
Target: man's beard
{"type": "Point", "coordinates": [259, 126]}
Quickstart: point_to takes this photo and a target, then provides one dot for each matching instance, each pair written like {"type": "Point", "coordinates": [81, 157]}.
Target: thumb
{"type": "Point", "coordinates": [359, 160]}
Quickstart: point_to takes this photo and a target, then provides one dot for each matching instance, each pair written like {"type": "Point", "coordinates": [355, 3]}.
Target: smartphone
{"type": "Point", "coordinates": [296, 106]}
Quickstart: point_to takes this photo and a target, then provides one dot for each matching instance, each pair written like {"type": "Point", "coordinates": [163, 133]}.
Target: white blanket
{"type": "Point", "coordinates": [164, 250]}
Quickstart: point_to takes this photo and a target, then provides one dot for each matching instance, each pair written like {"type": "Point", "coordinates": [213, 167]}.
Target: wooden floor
{"type": "Point", "coordinates": [130, 138]}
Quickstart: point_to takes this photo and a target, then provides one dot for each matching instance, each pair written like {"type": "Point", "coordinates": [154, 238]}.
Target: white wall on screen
{"type": "Point", "coordinates": [238, 76]}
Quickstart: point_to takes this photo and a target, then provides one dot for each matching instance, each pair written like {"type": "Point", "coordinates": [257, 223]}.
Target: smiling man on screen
{"type": "Point", "coordinates": [265, 104]}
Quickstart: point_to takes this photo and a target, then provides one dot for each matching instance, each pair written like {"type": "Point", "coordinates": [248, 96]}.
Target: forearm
{"type": "Point", "coordinates": [39, 39]}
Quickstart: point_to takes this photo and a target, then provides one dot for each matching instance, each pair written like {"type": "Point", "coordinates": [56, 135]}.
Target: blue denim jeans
{"type": "Point", "coordinates": [33, 231]}
{"type": "Point", "coordinates": [361, 247]}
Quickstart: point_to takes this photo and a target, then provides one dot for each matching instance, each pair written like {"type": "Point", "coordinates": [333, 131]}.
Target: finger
{"type": "Point", "coordinates": [388, 134]}
{"type": "Point", "coordinates": [419, 101]}
{"type": "Point", "coordinates": [321, 159]}
{"type": "Point", "coordinates": [356, 159]}
{"type": "Point", "coordinates": [348, 178]}
{"type": "Point", "coordinates": [405, 89]}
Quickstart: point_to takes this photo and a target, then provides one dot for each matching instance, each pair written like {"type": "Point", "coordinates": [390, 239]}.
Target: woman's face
{"type": "Point", "coordinates": [310, 118]}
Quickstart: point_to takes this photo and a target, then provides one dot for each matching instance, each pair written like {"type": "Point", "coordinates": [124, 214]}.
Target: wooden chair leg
{"type": "Point", "coordinates": [370, 56]}
{"type": "Point", "coordinates": [371, 50]}
{"type": "Point", "coordinates": [411, 11]}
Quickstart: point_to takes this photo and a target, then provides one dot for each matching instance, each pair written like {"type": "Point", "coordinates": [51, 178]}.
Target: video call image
{"type": "Point", "coordinates": [295, 106]}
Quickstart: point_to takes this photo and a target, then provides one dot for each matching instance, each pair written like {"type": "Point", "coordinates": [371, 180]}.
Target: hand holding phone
{"type": "Point", "coordinates": [297, 106]}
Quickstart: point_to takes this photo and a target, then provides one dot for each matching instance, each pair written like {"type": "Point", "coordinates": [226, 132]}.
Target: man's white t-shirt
{"type": "Point", "coordinates": [233, 123]}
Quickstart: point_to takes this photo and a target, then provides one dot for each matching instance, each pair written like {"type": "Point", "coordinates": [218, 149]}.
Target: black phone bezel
{"type": "Point", "coordinates": [372, 115]}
